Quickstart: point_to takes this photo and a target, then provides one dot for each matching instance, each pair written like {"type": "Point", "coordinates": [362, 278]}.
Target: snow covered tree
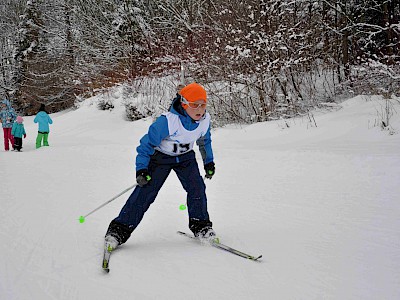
{"type": "Point", "coordinates": [10, 10]}
{"type": "Point", "coordinates": [42, 65]}
{"type": "Point", "coordinates": [267, 52]}
{"type": "Point", "coordinates": [261, 59]}
{"type": "Point", "coordinates": [377, 37]}
{"type": "Point", "coordinates": [27, 51]}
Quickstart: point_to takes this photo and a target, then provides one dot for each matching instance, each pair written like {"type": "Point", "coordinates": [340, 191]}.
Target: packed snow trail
{"type": "Point", "coordinates": [320, 203]}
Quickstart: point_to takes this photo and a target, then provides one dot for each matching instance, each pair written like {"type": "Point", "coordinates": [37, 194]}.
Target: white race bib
{"type": "Point", "coordinates": [181, 140]}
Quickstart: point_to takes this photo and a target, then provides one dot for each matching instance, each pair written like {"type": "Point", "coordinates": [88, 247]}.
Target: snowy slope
{"type": "Point", "coordinates": [320, 203]}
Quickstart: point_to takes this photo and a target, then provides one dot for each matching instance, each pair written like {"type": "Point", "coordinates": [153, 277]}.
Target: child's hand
{"type": "Point", "coordinates": [210, 170]}
{"type": "Point", "coordinates": [24, 136]}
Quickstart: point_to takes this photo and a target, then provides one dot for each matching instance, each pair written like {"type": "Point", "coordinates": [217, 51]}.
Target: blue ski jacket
{"type": "Point", "coordinates": [7, 115]}
{"type": "Point", "coordinates": [159, 131]}
{"type": "Point", "coordinates": [44, 120]}
{"type": "Point", "coordinates": [18, 130]}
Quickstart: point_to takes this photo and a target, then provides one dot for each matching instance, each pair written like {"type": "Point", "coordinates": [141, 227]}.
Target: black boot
{"type": "Point", "coordinates": [202, 229]}
{"type": "Point", "coordinates": [119, 231]}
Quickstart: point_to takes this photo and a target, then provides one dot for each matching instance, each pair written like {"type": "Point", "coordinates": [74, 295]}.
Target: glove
{"type": "Point", "coordinates": [24, 136]}
{"type": "Point", "coordinates": [142, 177]}
{"type": "Point", "coordinates": [210, 170]}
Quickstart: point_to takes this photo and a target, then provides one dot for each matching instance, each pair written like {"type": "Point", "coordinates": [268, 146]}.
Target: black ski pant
{"type": "Point", "coordinates": [186, 168]}
{"type": "Point", "coordinates": [17, 143]}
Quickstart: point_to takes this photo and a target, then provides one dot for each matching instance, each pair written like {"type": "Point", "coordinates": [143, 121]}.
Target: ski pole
{"type": "Point", "coordinates": [82, 218]}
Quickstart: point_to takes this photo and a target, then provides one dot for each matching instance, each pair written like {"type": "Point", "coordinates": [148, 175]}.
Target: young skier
{"type": "Point", "coordinates": [167, 146]}
{"type": "Point", "coordinates": [18, 130]}
{"type": "Point", "coordinates": [7, 118]}
{"type": "Point", "coordinates": [43, 131]}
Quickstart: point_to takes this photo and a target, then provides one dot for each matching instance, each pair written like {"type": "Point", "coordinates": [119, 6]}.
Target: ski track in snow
{"type": "Point", "coordinates": [319, 203]}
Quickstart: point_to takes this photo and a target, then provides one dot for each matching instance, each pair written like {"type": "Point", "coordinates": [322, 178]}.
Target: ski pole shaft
{"type": "Point", "coordinates": [112, 199]}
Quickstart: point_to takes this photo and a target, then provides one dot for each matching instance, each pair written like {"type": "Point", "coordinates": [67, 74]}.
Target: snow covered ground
{"type": "Point", "coordinates": [320, 203]}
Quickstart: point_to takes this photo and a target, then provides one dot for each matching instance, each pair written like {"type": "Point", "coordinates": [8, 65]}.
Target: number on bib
{"type": "Point", "coordinates": [181, 148]}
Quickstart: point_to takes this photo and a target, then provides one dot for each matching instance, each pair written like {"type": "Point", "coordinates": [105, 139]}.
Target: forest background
{"type": "Point", "coordinates": [259, 59]}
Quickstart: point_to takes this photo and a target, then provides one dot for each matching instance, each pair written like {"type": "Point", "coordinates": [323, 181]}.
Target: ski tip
{"type": "Point", "coordinates": [107, 270]}
{"type": "Point", "coordinates": [257, 258]}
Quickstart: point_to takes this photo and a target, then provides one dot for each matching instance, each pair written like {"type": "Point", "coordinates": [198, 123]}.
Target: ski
{"type": "Point", "coordinates": [217, 244]}
{"type": "Point", "coordinates": [106, 259]}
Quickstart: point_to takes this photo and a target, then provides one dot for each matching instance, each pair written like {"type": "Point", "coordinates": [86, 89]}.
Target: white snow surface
{"type": "Point", "coordinates": [320, 203]}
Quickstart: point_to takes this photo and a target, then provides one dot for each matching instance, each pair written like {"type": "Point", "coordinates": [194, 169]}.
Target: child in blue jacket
{"type": "Point", "coordinates": [43, 132]}
{"type": "Point", "coordinates": [168, 146]}
{"type": "Point", "coordinates": [18, 130]}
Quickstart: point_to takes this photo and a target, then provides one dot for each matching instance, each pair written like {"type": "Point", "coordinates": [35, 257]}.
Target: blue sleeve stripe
{"type": "Point", "coordinates": [157, 132]}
